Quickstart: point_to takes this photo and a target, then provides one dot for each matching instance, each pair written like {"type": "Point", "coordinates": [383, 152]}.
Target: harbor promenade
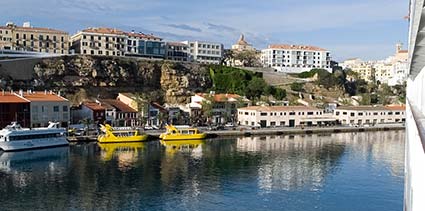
{"type": "Point", "coordinates": [241, 131]}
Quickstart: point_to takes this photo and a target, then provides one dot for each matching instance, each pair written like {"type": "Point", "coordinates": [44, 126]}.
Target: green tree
{"type": "Point", "coordinates": [248, 58]}
{"type": "Point", "coordinates": [280, 94]}
{"type": "Point", "coordinates": [255, 88]}
{"type": "Point", "coordinates": [86, 122]}
{"type": "Point", "coordinates": [298, 87]}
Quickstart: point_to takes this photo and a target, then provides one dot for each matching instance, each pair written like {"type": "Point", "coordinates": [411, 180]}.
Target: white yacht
{"type": "Point", "coordinates": [13, 137]}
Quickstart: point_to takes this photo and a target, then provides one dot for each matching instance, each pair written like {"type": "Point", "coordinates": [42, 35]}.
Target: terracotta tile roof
{"type": "Point", "coordinates": [8, 97]}
{"type": "Point", "coordinates": [396, 107]}
{"type": "Point", "coordinates": [35, 29]}
{"type": "Point", "coordinates": [43, 97]}
{"type": "Point", "coordinates": [279, 108]}
{"type": "Point", "coordinates": [159, 107]}
{"type": "Point", "coordinates": [94, 106]}
{"type": "Point", "coordinates": [104, 30]}
{"type": "Point", "coordinates": [120, 106]}
{"type": "Point", "coordinates": [296, 47]}
{"type": "Point", "coordinates": [142, 36]}
{"type": "Point", "coordinates": [219, 97]}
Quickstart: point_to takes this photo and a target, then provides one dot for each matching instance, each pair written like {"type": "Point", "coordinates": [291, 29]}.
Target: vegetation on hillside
{"type": "Point", "coordinates": [371, 93]}
{"type": "Point", "coordinates": [242, 82]}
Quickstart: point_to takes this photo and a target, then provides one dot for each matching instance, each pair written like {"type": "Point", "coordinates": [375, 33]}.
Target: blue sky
{"type": "Point", "coordinates": [368, 29]}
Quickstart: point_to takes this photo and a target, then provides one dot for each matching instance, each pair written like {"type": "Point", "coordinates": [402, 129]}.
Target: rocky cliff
{"type": "Point", "coordinates": [93, 76]}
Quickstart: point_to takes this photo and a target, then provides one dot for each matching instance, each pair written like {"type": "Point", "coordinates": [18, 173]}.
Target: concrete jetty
{"type": "Point", "coordinates": [236, 132]}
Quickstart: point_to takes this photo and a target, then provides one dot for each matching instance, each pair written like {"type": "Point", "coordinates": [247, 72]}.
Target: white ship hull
{"type": "Point", "coordinates": [33, 143]}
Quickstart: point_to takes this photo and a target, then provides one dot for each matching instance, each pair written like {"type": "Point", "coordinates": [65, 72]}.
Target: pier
{"type": "Point", "coordinates": [235, 132]}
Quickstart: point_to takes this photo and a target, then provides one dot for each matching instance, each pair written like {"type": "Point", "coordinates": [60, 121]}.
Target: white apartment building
{"type": "Point", "coordinates": [47, 106]}
{"type": "Point", "coordinates": [282, 116]}
{"type": "Point", "coordinates": [361, 115]}
{"type": "Point", "coordinates": [392, 71]}
{"type": "Point", "coordinates": [100, 41]}
{"type": "Point", "coordinates": [205, 52]}
{"type": "Point", "coordinates": [295, 58]}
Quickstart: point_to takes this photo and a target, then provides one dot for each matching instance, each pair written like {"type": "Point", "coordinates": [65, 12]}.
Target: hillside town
{"type": "Point", "coordinates": [38, 108]}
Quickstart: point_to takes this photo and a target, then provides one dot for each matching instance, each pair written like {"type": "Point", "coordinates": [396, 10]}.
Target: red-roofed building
{"type": "Point", "coordinates": [14, 108]}
{"type": "Point", "coordinates": [119, 114]}
{"type": "Point", "coordinates": [47, 106]}
{"type": "Point", "coordinates": [94, 111]}
{"type": "Point", "coordinates": [295, 58]}
{"type": "Point", "coordinates": [224, 106]}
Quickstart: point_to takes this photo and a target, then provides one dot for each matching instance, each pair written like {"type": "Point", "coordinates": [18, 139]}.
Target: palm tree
{"type": "Point", "coordinates": [87, 122]}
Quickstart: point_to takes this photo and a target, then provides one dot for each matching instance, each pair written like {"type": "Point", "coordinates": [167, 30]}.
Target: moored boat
{"type": "Point", "coordinates": [13, 137]}
{"type": "Point", "coordinates": [181, 133]}
{"type": "Point", "coordinates": [120, 135]}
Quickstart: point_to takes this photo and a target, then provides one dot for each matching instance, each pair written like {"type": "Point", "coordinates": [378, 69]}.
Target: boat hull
{"type": "Point", "coordinates": [33, 144]}
{"type": "Point", "coordinates": [103, 139]}
{"type": "Point", "coordinates": [177, 137]}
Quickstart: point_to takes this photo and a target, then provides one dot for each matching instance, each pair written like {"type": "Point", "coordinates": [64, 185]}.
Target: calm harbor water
{"type": "Point", "coordinates": [347, 171]}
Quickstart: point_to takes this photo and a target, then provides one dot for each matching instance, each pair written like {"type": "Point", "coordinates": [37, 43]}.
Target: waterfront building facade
{"type": "Point", "coordinates": [100, 41]}
{"type": "Point", "coordinates": [176, 51]}
{"type": "Point", "coordinates": [282, 116]}
{"type": "Point", "coordinates": [14, 108]}
{"type": "Point", "coordinates": [223, 106]}
{"type": "Point", "coordinates": [295, 58]}
{"type": "Point", "coordinates": [93, 111]}
{"type": "Point", "coordinates": [47, 107]}
{"type": "Point", "coordinates": [205, 52]}
{"type": "Point", "coordinates": [35, 39]}
{"type": "Point", "coordinates": [370, 115]}
{"type": "Point", "coordinates": [145, 45]}
{"type": "Point", "coordinates": [118, 113]}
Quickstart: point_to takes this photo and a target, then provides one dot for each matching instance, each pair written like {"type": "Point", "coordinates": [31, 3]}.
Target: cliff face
{"type": "Point", "coordinates": [106, 76]}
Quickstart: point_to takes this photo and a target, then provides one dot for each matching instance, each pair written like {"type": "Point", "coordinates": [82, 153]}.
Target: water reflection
{"type": "Point", "coordinates": [293, 162]}
{"type": "Point", "coordinates": [126, 154]}
{"type": "Point", "coordinates": [20, 169]}
{"type": "Point", "coordinates": [194, 147]}
{"type": "Point", "coordinates": [270, 172]}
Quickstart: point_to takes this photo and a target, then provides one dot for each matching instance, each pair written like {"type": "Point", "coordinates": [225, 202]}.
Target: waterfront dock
{"type": "Point", "coordinates": [235, 132]}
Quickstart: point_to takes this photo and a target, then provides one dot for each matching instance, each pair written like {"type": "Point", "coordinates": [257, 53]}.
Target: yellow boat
{"type": "Point", "coordinates": [181, 133]}
{"type": "Point", "coordinates": [114, 135]}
